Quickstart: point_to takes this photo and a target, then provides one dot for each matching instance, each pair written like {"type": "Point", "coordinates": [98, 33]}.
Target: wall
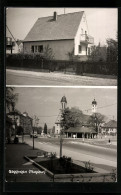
{"type": "Point", "coordinates": [83, 25]}
{"type": "Point", "coordinates": [57, 128]}
{"type": "Point", "coordinates": [60, 47]}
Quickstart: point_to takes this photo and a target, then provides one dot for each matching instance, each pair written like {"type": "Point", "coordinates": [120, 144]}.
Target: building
{"type": "Point", "coordinates": [84, 130]}
{"type": "Point", "coordinates": [58, 122]}
{"type": "Point", "coordinates": [66, 34]}
{"type": "Point", "coordinates": [109, 128]}
{"type": "Point", "coordinates": [13, 45]}
{"type": "Point", "coordinates": [21, 120]}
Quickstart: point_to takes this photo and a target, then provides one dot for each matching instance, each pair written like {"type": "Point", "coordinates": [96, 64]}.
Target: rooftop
{"type": "Point", "coordinates": [46, 28]}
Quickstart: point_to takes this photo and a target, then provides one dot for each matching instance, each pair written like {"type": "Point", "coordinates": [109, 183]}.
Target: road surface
{"type": "Point", "coordinates": [106, 157]}
{"type": "Point", "coordinates": [21, 77]}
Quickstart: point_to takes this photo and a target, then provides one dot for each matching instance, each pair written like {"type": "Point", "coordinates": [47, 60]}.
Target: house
{"type": "Point", "coordinates": [21, 120]}
{"type": "Point", "coordinates": [109, 128]}
{"type": "Point", "coordinates": [65, 34]}
{"type": "Point", "coordinates": [13, 45]}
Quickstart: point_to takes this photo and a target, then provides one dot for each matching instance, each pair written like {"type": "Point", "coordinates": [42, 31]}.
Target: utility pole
{"type": "Point", "coordinates": [62, 132]}
{"type": "Point", "coordinates": [64, 10]}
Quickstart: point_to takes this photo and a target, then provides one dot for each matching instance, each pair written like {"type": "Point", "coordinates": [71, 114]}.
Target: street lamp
{"type": "Point", "coordinates": [36, 121]}
{"type": "Point", "coordinates": [61, 134]}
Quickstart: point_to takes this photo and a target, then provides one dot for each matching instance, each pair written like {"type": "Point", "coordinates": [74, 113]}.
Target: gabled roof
{"type": "Point", "coordinates": [46, 28]}
{"type": "Point", "coordinates": [111, 123]}
{"type": "Point", "coordinates": [80, 129]}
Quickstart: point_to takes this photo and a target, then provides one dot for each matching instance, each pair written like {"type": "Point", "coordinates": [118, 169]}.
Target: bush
{"type": "Point", "coordinates": [39, 61]}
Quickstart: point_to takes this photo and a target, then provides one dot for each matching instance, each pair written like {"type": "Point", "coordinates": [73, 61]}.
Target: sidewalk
{"type": "Point", "coordinates": [18, 169]}
{"type": "Point", "coordinates": [67, 73]}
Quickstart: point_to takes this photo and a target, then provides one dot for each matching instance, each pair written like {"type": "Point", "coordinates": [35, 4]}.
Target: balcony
{"type": "Point", "coordinates": [84, 38]}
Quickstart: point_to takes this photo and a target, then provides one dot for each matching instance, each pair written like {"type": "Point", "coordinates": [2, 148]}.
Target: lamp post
{"type": "Point", "coordinates": [36, 121]}
{"type": "Point", "coordinates": [61, 133]}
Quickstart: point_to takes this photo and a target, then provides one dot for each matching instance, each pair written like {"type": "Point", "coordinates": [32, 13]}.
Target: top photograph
{"type": "Point", "coordinates": [61, 46]}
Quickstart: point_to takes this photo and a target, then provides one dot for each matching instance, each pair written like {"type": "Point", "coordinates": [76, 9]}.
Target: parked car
{"type": "Point", "coordinates": [48, 136]}
{"type": "Point", "coordinates": [33, 135]}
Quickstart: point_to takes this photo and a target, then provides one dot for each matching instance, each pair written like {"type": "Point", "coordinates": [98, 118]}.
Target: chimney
{"type": "Point", "coordinates": [55, 16]}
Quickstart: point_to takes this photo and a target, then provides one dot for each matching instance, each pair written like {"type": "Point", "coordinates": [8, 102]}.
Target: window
{"type": "Point", "coordinates": [82, 31]}
{"type": "Point", "coordinates": [40, 48]}
{"type": "Point", "coordinates": [80, 48]}
{"type": "Point", "coordinates": [32, 48]}
{"type": "Point", "coordinates": [89, 52]}
{"type": "Point", "coordinates": [37, 48]}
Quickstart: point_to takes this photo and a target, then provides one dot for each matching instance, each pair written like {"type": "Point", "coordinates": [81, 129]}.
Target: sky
{"type": "Point", "coordinates": [44, 102]}
{"type": "Point", "coordinates": [102, 22]}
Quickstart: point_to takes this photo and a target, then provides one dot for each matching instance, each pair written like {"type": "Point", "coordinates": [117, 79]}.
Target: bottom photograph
{"type": "Point", "coordinates": [60, 134]}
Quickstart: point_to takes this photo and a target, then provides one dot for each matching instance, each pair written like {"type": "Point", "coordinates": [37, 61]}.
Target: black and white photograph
{"type": "Point", "coordinates": [61, 98]}
{"type": "Point", "coordinates": [62, 46]}
{"type": "Point", "coordinates": [61, 134]}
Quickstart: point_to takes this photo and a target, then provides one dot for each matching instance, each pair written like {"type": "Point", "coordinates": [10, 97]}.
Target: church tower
{"type": "Point", "coordinates": [63, 103]}
{"type": "Point", "coordinates": [59, 117]}
{"type": "Point", "coordinates": [94, 106]}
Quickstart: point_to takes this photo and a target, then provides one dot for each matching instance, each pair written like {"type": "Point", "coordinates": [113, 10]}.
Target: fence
{"type": "Point", "coordinates": [75, 67]}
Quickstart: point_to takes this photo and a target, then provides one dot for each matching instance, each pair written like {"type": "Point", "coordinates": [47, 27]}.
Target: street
{"type": "Point", "coordinates": [105, 158]}
{"type": "Point", "coordinates": [22, 77]}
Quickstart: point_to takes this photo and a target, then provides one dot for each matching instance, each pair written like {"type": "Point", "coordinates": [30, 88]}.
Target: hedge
{"type": "Point", "coordinates": [40, 62]}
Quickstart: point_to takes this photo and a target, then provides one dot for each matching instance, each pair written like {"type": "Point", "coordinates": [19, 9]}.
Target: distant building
{"type": "Point", "coordinates": [13, 45]}
{"type": "Point", "coordinates": [21, 120]}
{"type": "Point", "coordinates": [109, 128]}
{"type": "Point", "coordinates": [65, 34]}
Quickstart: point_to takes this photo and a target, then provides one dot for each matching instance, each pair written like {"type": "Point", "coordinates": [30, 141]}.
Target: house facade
{"type": "Point", "coordinates": [13, 47]}
{"type": "Point", "coordinates": [21, 120]}
{"type": "Point", "coordinates": [109, 128]}
{"type": "Point", "coordinates": [65, 34]}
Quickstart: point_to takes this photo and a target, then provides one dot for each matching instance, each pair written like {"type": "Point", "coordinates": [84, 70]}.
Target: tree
{"type": "Point", "coordinates": [112, 50]}
{"type": "Point", "coordinates": [48, 53]}
{"type": "Point", "coordinates": [96, 120]}
{"type": "Point", "coordinates": [73, 117]}
{"type": "Point", "coordinates": [98, 53]}
{"type": "Point", "coordinates": [11, 98]}
{"type": "Point", "coordinates": [45, 128]}
{"type": "Point", "coordinates": [72, 57]}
